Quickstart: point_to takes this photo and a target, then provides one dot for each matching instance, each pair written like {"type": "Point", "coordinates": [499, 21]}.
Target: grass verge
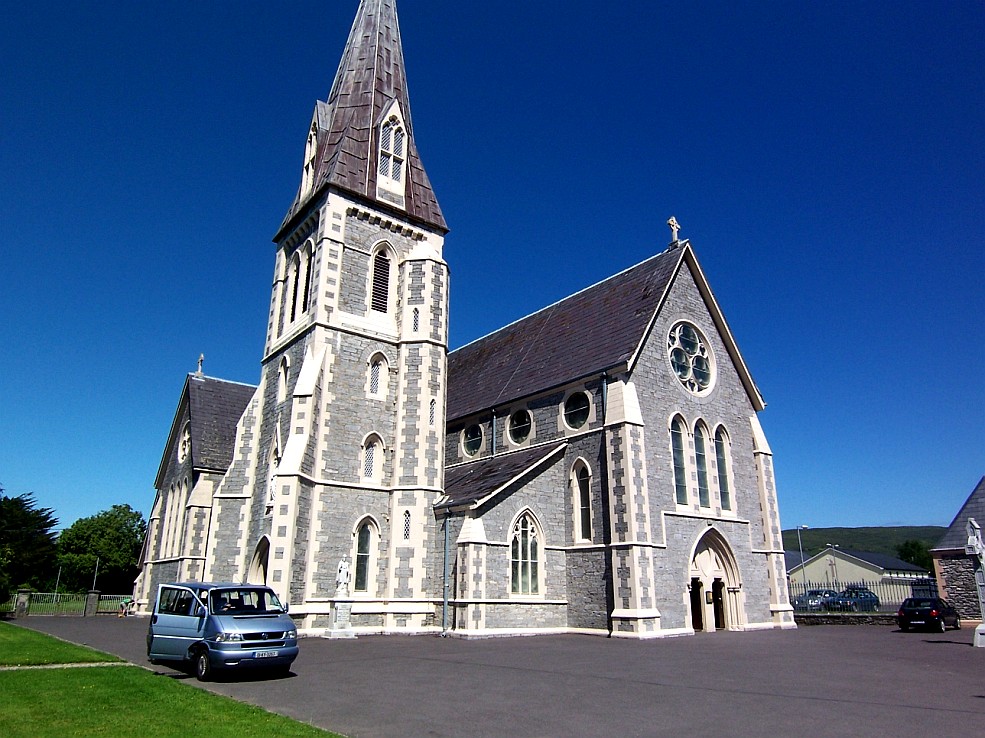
{"type": "Point", "coordinates": [116, 700]}
{"type": "Point", "coordinates": [23, 647]}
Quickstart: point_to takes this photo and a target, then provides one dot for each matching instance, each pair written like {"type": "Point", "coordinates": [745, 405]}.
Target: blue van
{"type": "Point", "coordinates": [221, 626]}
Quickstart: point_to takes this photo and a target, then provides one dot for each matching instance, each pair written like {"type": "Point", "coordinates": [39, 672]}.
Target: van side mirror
{"type": "Point", "coordinates": [200, 611]}
{"type": "Point", "coordinates": [286, 606]}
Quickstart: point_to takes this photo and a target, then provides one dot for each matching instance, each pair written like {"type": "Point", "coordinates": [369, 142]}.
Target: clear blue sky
{"type": "Point", "coordinates": [826, 160]}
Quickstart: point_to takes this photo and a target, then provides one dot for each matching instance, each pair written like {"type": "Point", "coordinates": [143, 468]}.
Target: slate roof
{"type": "Point", "coordinates": [587, 333]}
{"type": "Point", "coordinates": [370, 77]}
{"type": "Point", "coordinates": [467, 484]}
{"type": "Point", "coordinates": [215, 407]}
{"type": "Point", "coordinates": [957, 534]}
{"type": "Point", "coordinates": [883, 561]}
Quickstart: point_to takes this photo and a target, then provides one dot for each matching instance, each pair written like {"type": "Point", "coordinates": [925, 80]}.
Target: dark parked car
{"type": "Point", "coordinates": [814, 601]}
{"type": "Point", "coordinates": [927, 612]}
{"type": "Point", "coordinates": [855, 599]}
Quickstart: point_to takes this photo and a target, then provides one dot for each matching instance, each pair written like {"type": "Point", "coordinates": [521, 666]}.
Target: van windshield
{"type": "Point", "coordinates": [244, 601]}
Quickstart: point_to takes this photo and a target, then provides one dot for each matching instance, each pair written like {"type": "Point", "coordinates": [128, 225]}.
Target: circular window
{"type": "Point", "coordinates": [576, 410]}
{"type": "Point", "coordinates": [519, 426]}
{"type": "Point", "coordinates": [472, 440]}
{"type": "Point", "coordinates": [690, 357]}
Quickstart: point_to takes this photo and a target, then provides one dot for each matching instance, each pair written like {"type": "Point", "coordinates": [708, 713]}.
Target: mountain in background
{"type": "Point", "coordinates": [885, 540]}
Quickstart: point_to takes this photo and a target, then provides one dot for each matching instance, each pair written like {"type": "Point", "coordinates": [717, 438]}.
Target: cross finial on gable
{"type": "Point", "coordinates": [201, 358]}
{"type": "Point", "coordinates": [675, 227]}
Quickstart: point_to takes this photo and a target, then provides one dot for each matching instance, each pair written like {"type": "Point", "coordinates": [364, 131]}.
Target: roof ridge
{"type": "Point", "coordinates": [196, 375]}
{"type": "Point", "coordinates": [572, 296]}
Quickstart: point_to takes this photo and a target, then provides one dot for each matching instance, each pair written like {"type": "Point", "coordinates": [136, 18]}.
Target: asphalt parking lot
{"type": "Point", "coordinates": [818, 681]}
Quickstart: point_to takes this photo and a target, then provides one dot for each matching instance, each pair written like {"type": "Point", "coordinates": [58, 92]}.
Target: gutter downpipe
{"type": "Point", "coordinates": [605, 394]}
{"type": "Point", "coordinates": [493, 432]}
{"type": "Point", "coordinates": [444, 603]}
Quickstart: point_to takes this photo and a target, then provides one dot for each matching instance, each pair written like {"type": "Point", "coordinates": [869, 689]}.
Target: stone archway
{"type": "Point", "coordinates": [258, 566]}
{"type": "Point", "coordinates": [714, 585]}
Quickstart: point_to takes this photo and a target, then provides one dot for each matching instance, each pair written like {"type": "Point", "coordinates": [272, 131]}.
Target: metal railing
{"type": "Point", "coordinates": [56, 603]}
{"type": "Point", "coordinates": [856, 596]}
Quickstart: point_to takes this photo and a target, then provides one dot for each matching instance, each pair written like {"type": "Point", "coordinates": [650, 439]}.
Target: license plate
{"type": "Point", "coordinates": [265, 654]}
{"type": "Point", "coordinates": [918, 622]}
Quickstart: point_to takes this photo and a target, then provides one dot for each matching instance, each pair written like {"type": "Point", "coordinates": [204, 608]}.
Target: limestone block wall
{"type": "Point", "coordinates": [957, 571]}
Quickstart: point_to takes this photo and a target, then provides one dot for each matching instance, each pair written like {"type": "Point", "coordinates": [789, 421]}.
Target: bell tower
{"type": "Point", "coordinates": [345, 448]}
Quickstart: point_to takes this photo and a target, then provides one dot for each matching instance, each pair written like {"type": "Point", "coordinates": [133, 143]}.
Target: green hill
{"type": "Point", "coordinates": [877, 539]}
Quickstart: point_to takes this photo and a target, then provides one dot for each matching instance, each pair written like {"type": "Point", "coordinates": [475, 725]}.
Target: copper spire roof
{"type": "Point", "coordinates": [371, 76]}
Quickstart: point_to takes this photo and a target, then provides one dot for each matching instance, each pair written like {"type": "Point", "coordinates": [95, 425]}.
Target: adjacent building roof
{"type": "Point", "coordinates": [885, 562]}
{"type": "Point", "coordinates": [957, 532]}
{"type": "Point", "coordinates": [589, 332]}
{"type": "Point", "coordinates": [214, 409]}
{"type": "Point", "coordinates": [474, 482]}
{"type": "Point", "coordinates": [370, 77]}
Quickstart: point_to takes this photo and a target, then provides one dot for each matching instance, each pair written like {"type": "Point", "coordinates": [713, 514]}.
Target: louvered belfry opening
{"type": "Point", "coordinates": [381, 283]}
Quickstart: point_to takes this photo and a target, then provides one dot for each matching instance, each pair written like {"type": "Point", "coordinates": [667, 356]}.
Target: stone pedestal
{"type": "Point", "coordinates": [341, 616]}
{"type": "Point", "coordinates": [22, 604]}
{"type": "Point", "coordinates": [92, 603]}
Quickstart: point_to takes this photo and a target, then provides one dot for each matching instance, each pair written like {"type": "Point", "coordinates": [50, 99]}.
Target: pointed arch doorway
{"type": "Point", "coordinates": [714, 586]}
{"type": "Point", "coordinates": [257, 573]}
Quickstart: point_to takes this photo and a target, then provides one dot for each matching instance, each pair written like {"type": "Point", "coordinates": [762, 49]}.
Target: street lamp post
{"type": "Point", "coordinates": [800, 545]}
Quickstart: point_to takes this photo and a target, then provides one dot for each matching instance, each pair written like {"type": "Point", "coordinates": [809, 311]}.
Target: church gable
{"type": "Point", "coordinates": [957, 534]}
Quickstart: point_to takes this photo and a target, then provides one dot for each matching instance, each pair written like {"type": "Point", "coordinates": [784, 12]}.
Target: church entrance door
{"type": "Point", "coordinates": [258, 567]}
{"type": "Point", "coordinates": [716, 601]}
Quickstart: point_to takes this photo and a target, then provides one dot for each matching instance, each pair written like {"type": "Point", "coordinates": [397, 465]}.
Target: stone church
{"type": "Point", "coordinates": [596, 467]}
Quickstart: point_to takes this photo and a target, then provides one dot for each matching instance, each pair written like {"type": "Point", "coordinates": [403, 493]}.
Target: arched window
{"type": "Point", "coordinates": [701, 462]}
{"type": "Point", "coordinates": [582, 478]}
{"type": "Point", "coordinates": [373, 458]}
{"type": "Point", "coordinates": [295, 276]}
{"type": "Point", "coordinates": [379, 374]}
{"type": "Point", "coordinates": [282, 374]}
{"type": "Point", "coordinates": [680, 469]}
{"type": "Point", "coordinates": [366, 543]}
{"type": "Point", "coordinates": [380, 289]}
{"type": "Point", "coordinates": [525, 557]}
{"type": "Point", "coordinates": [417, 320]}
{"type": "Point", "coordinates": [406, 525]}
{"type": "Point", "coordinates": [431, 412]}
{"type": "Point", "coordinates": [721, 458]}
{"type": "Point", "coordinates": [306, 278]}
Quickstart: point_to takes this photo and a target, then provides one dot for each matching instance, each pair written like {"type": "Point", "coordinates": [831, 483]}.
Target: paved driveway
{"type": "Point", "coordinates": [818, 681]}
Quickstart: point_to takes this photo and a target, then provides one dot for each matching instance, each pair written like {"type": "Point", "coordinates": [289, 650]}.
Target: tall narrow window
{"type": "Point", "coordinates": [306, 264]}
{"type": "Point", "coordinates": [524, 557]}
{"type": "Point", "coordinates": [721, 457]}
{"type": "Point", "coordinates": [680, 470]}
{"type": "Point", "coordinates": [701, 462]}
{"type": "Point", "coordinates": [282, 379]}
{"type": "Point", "coordinates": [584, 480]}
{"type": "Point", "coordinates": [406, 525]}
{"type": "Point", "coordinates": [380, 297]}
{"type": "Point", "coordinates": [374, 377]}
{"type": "Point", "coordinates": [363, 549]}
{"type": "Point", "coordinates": [369, 459]}
{"type": "Point", "coordinates": [431, 412]}
{"type": "Point", "coordinates": [417, 320]}
{"type": "Point", "coordinates": [295, 276]}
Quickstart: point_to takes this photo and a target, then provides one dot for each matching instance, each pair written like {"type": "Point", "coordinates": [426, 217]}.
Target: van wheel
{"type": "Point", "coordinates": [203, 667]}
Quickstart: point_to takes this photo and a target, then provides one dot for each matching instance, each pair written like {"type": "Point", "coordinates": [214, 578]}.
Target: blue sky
{"type": "Point", "coordinates": [826, 160]}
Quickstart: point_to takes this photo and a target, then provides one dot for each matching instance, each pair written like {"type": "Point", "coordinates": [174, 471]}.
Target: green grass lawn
{"type": "Point", "coordinates": [23, 647]}
{"type": "Point", "coordinates": [115, 700]}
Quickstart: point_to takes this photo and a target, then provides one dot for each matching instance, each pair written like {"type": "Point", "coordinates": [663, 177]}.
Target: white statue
{"type": "Point", "coordinates": [342, 575]}
{"type": "Point", "coordinates": [974, 545]}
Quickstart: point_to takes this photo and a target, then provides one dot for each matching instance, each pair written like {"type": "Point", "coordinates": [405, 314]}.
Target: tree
{"type": "Point", "coordinates": [917, 553]}
{"type": "Point", "coordinates": [28, 552]}
{"type": "Point", "coordinates": [115, 537]}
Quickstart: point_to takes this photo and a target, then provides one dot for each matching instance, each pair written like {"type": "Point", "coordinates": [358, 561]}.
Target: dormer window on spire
{"type": "Point", "coordinates": [391, 170]}
{"type": "Point", "coordinates": [310, 148]}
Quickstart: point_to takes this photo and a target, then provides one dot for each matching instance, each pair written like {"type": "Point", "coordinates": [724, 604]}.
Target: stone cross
{"type": "Point", "coordinates": [674, 228]}
{"type": "Point", "coordinates": [201, 358]}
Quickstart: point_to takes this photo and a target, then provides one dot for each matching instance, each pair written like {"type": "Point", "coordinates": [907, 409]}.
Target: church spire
{"type": "Point", "coordinates": [362, 138]}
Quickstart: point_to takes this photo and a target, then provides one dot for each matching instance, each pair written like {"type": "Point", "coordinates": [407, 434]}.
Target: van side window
{"type": "Point", "coordinates": [175, 601]}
